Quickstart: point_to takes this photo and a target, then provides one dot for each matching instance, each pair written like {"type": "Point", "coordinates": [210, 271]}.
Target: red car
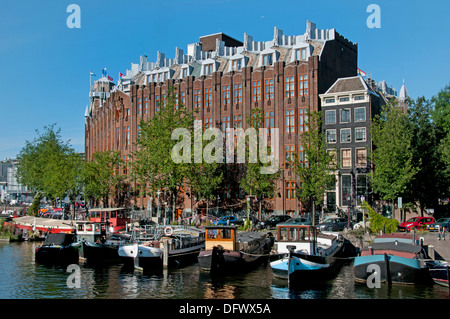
{"type": "Point", "coordinates": [416, 223]}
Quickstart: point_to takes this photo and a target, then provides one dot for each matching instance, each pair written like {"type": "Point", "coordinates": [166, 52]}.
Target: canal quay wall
{"type": "Point", "coordinates": [437, 249]}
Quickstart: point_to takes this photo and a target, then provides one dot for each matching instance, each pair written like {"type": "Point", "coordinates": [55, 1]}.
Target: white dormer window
{"type": "Point", "coordinates": [267, 59]}
{"type": "Point", "coordinates": [207, 69]}
{"type": "Point", "coordinates": [184, 72]}
{"type": "Point", "coordinates": [236, 64]}
{"type": "Point", "coordinates": [300, 54]}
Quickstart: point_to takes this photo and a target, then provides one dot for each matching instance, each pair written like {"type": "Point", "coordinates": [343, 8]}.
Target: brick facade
{"type": "Point", "coordinates": [112, 118]}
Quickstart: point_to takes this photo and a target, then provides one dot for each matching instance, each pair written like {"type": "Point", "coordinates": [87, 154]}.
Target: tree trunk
{"type": "Point", "coordinates": [313, 213]}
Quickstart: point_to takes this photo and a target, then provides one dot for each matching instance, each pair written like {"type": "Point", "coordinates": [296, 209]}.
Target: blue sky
{"type": "Point", "coordinates": [45, 65]}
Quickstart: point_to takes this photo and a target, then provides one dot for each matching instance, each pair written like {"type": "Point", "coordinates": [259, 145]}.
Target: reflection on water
{"type": "Point", "coordinates": [22, 278]}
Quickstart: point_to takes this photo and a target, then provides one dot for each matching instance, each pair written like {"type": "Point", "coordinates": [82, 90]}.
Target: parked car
{"type": "Point", "coordinates": [416, 223]}
{"type": "Point", "coordinates": [297, 221]}
{"type": "Point", "coordinates": [335, 224]}
{"type": "Point", "coordinates": [439, 223]}
{"type": "Point", "coordinates": [228, 221]}
{"type": "Point", "coordinates": [273, 221]}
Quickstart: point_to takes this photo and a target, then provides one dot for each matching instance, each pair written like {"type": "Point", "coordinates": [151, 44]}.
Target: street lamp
{"type": "Point", "coordinates": [157, 209]}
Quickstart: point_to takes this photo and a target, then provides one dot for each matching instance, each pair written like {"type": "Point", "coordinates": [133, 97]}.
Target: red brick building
{"type": "Point", "coordinates": [224, 79]}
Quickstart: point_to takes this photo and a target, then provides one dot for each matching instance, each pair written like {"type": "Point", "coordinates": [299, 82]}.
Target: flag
{"type": "Point", "coordinates": [92, 73]}
{"type": "Point", "coordinates": [110, 78]}
{"type": "Point", "coordinates": [120, 74]}
{"type": "Point", "coordinates": [361, 72]}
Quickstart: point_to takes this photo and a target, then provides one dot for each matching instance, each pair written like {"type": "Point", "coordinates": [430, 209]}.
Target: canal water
{"type": "Point", "coordinates": [22, 278]}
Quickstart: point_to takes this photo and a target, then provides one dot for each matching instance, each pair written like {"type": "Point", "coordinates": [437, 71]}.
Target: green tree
{"type": "Point", "coordinates": [392, 156]}
{"type": "Point", "coordinates": [259, 180]}
{"type": "Point", "coordinates": [315, 171]}
{"type": "Point", "coordinates": [152, 163]}
{"type": "Point", "coordinates": [430, 182]}
{"type": "Point", "coordinates": [102, 177]}
{"type": "Point", "coordinates": [49, 166]}
{"type": "Point", "coordinates": [441, 118]}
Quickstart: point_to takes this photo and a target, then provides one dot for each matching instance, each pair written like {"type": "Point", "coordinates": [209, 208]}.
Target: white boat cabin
{"type": "Point", "coordinates": [303, 239]}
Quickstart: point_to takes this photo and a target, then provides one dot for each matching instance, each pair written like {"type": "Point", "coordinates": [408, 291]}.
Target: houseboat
{"type": "Point", "coordinates": [98, 244]}
{"type": "Point", "coordinates": [439, 272]}
{"type": "Point", "coordinates": [174, 246]}
{"type": "Point", "coordinates": [399, 257]}
{"type": "Point", "coordinates": [302, 254]}
{"type": "Point", "coordinates": [227, 249]}
{"type": "Point", "coordinates": [58, 248]}
{"type": "Point", "coordinates": [118, 218]}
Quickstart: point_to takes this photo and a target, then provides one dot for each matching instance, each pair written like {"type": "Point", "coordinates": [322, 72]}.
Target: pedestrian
{"type": "Point", "coordinates": [441, 232]}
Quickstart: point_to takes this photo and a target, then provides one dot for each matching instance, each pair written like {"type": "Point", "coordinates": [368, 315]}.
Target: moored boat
{"type": "Point", "coordinates": [98, 244]}
{"type": "Point", "coordinates": [175, 246]}
{"type": "Point", "coordinates": [58, 248]}
{"type": "Point", "coordinates": [302, 254]}
{"type": "Point", "coordinates": [226, 249]}
{"type": "Point", "coordinates": [400, 260]}
{"type": "Point", "coordinates": [439, 272]}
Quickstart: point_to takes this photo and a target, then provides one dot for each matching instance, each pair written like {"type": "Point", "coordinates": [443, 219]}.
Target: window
{"type": "Point", "coordinates": [268, 89]}
{"type": "Point", "coordinates": [359, 97]}
{"type": "Point", "coordinates": [360, 114]}
{"type": "Point", "coordinates": [237, 123]}
{"type": "Point", "coordinates": [290, 121]}
{"type": "Point", "coordinates": [207, 69]}
{"type": "Point", "coordinates": [126, 159]}
{"type": "Point", "coordinates": [197, 98]}
{"type": "Point", "coordinates": [331, 100]}
{"type": "Point", "coordinates": [346, 158]}
{"type": "Point", "coordinates": [208, 122]}
{"type": "Point", "coordinates": [267, 59]}
{"type": "Point", "coordinates": [225, 124]}
{"type": "Point", "coordinates": [208, 97]}
{"type": "Point", "coordinates": [302, 119]}
{"type": "Point", "coordinates": [145, 107]}
{"type": "Point", "coordinates": [289, 87]}
{"type": "Point", "coordinates": [157, 103]}
{"type": "Point", "coordinates": [225, 94]}
{"type": "Point", "coordinates": [236, 64]}
{"type": "Point", "coordinates": [331, 136]}
{"type": "Point", "coordinates": [330, 117]}
{"type": "Point", "coordinates": [268, 121]}
{"type": "Point", "coordinates": [183, 98]}
{"type": "Point", "coordinates": [126, 135]}
{"type": "Point", "coordinates": [185, 72]}
{"type": "Point", "coordinates": [303, 84]}
{"type": "Point", "coordinates": [139, 108]}
{"type": "Point", "coordinates": [118, 137]}
{"type": "Point", "coordinates": [345, 115]}
{"type": "Point", "coordinates": [301, 158]}
{"type": "Point", "coordinates": [346, 189]}
{"type": "Point", "coordinates": [361, 188]}
{"type": "Point", "coordinates": [290, 190]}
{"type": "Point", "coordinates": [300, 54]}
{"type": "Point", "coordinates": [346, 135]}
{"type": "Point", "coordinates": [360, 134]}
{"type": "Point", "coordinates": [289, 156]}
{"type": "Point", "coordinates": [256, 91]}
{"type": "Point", "coordinates": [333, 155]}
{"type": "Point", "coordinates": [361, 157]}
{"type": "Point", "coordinates": [344, 99]}
{"type": "Point", "coordinates": [237, 93]}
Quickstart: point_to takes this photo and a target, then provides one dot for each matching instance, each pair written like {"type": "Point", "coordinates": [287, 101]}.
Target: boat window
{"type": "Point", "coordinates": [283, 234]}
{"type": "Point", "coordinates": [113, 214]}
{"type": "Point", "coordinates": [212, 233]}
{"type": "Point", "coordinates": [293, 233]}
{"type": "Point", "coordinates": [88, 227]}
{"type": "Point", "coordinates": [80, 227]}
{"type": "Point", "coordinates": [226, 233]}
{"type": "Point", "coordinates": [97, 227]}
